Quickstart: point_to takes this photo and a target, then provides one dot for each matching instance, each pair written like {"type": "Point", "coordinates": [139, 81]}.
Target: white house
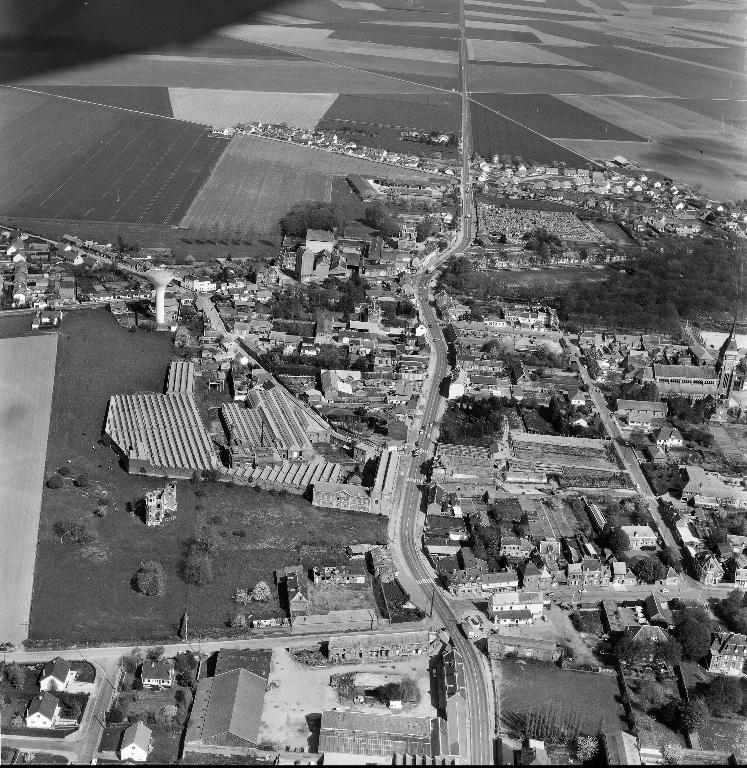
{"type": "Point", "coordinates": [516, 607]}
{"type": "Point", "coordinates": [137, 742]}
{"type": "Point", "coordinates": [43, 711]}
{"type": "Point", "coordinates": [199, 284]}
{"type": "Point", "coordinates": [669, 437]}
{"type": "Point", "coordinates": [56, 675]}
{"type": "Point", "coordinates": [157, 674]}
{"type": "Point", "coordinates": [639, 536]}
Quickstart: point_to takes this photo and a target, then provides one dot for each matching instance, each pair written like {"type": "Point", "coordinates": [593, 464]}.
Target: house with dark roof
{"type": "Point", "coordinates": [728, 654]}
{"type": "Point", "coordinates": [157, 674]}
{"type": "Point", "coordinates": [56, 675]}
{"type": "Point", "coordinates": [43, 711]}
{"type": "Point", "coordinates": [227, 712]}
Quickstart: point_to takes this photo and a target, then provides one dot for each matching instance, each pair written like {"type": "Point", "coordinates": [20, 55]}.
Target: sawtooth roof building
{"type": "Point", "coordinates": [274, 424]}
{"type": "Point", "coordinates": [346, 735]}
{"type": "Point", "coordinates": [160, 434]}
{"type": "Point", "coordinates": [181, 377]}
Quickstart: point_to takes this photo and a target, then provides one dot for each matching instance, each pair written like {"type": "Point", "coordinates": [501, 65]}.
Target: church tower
{"type": "Point", "coordinates": [728, 357]}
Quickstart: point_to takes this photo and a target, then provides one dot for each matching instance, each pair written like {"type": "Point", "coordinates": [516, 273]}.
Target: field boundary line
{"type": "Point", "coordinates": [532, 130]}
{"type": "Point", "coordinates": [107, 106]}
{"type": "Point", "coordinates": [319, 60]}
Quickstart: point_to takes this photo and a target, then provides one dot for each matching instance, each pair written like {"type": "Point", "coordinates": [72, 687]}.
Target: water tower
{"type": "Point", "coordinates": [160, 279]}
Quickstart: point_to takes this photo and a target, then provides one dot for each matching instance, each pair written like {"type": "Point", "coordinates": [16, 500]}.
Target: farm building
{"type": "Point", "coordinates": [227, 712]}
{"type": "Point", "coordinates": [363, 648]}
{"type": "Point", "coordinates": [527, 647]}
{"type": "Point", "coordinates": [159, 434]}
{"type": "Point", "coordinates": [345, 734]}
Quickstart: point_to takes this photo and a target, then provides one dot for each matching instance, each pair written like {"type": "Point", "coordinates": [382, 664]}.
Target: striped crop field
{"type": "Point", "coordinates": [257, 180]}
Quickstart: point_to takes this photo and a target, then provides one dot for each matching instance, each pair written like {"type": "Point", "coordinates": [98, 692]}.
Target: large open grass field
{"type": "Point", "coordinates": [84, 592]}
{"type": "Point", "coordinates": [525, 687]}
{"type": "Point", "coordinates": [27, 367]}
{"type": "Point", "coordinates": [258, 180]}
{"type": "Point", "coordinates": [69, 159]}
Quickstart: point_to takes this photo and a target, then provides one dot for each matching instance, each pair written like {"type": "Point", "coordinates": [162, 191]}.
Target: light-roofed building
{"type": "Point", "coordinates": [181, 378]}
{"type": "Point", "coordinates": [160, 434]}
{"type": "Point", "coordinates": [347, 734]}
{"type": "Point", "coordinates": [227, 712]}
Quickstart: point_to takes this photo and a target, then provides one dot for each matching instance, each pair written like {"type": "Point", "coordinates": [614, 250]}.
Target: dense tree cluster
{"type": "Point", "coordinates": [377, 217]}
{"type": "Point", "coordinates": [733, 611]}
{"type": "Point", "coordinates": [693, 630]}
{"type": "Point", "coordinates": [673, 278]}
{"type": "Point", "coordinates": [198, 565]}
{"type": "Point", "coordinates": [150, 579]}
{"type": "Point", "coordinates": [315, 215]}
{"type": "Point", "coordinates": [544, 244]}
{"type": "Point", "coordinates": [471, 420]}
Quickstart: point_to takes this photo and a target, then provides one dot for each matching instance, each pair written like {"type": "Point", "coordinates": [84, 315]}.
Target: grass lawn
{"type": "Point", "coordinates": [84, 592]}
{"type": "Point", "coordinates": [324, 598]}
{"type": "Point", "coordinates": [528, 686]}
{"type": "Point", "coordinates": [725, 736]}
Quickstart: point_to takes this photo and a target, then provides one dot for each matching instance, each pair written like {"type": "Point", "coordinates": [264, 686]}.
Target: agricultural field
{"type": "Point", "coordinates": [151, 99]}
{"type": "Point", "coordinates": [222, 109]}
{"type": "Point", "coordinates": [554, 117]}
{"type": "Point", "coordinates": [258, 180]}
{"type": "Point", "coordinates": [527, 687]}
{"type": "Point", "coordinates": [27, 367]}
{"type": "Point", "coordinates": [426, 112]}
{"type": "Point", "coordinates": [69, 159]}
{"type": "Point", "coordinates": [493, 134]}
{"type": "Point", "coordinates": [82, 591]}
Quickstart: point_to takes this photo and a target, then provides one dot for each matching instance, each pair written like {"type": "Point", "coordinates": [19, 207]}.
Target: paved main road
{"type": "Point", "coordinates": [627, 456]}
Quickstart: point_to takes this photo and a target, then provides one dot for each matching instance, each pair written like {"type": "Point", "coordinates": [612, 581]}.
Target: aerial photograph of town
{"type": "Point", "coordinates": [373, 382]}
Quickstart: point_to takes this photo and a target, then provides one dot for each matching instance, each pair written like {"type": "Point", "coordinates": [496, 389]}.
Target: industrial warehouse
{"type": "Point", "coordinates": [270, 443]}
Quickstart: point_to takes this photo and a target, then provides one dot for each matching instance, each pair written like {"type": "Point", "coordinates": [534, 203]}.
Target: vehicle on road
{"type": "Point", "coordinates": [665, 591]}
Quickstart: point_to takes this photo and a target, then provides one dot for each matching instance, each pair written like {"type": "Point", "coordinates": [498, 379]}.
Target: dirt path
{"type": "Point", "coordinates": [27, 368]}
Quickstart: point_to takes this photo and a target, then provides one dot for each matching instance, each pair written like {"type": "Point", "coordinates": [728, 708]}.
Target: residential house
{"type": "Point", "coordinates": [294, 581]}
{"type": "Point", "coordinates": [354, 573]}
{"type": "Point", "coordinates": [137, 742]}
{"type": "Point", "coordinates": [56, 675]}
{"type": "Point", "coordinates": [640, 536]}
{"type": "Point", "coordinates": [708, 570]}
{"type": "Point", "coordinates": [728, 654]}
{"type": "Point", "coordinates": [590, 572]}
{"type": "Point", "coordinates": [657, 611]}
{"type": "Point", "coordinates": [157, 674]}
{"type": "Point", "coordinates": [669, 437]}
{"type": "Point", "coordinates": [516, 547]}
{"type": "Point", "coordinates": [621, 748]}
{"type": "Point", "coordinates": [534, 577]}
{"type": "Point", "coordinates": [515, 608]}
{"type": "Point", "coordinates": [43, 711]}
